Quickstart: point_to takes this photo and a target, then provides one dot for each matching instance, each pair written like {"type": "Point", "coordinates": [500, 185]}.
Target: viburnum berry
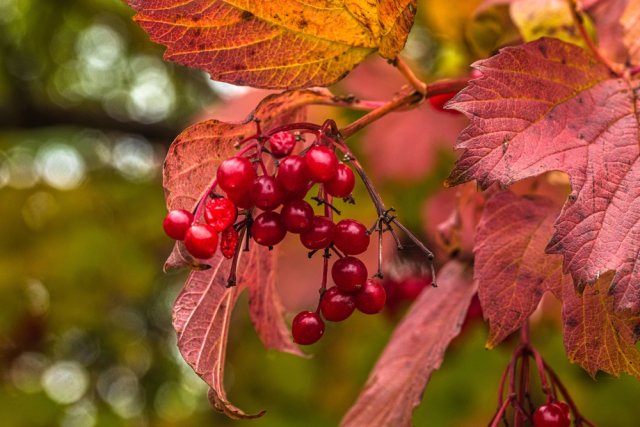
{"type": "Point", "coordinates": [351, 237]}
{"type": "Point", "coordinates": [321, 163]}
{"type": "Point", "coordinates": [411, 287]}
{"type": "Point", "coordinates": [438, 102]}
{"type": "Point", "coordinates": [342, 183]}
{"type": "Point", "coordinates": [319, 235]}
{"type": "Point", "coordinates": [292, 174]}
{"type": "Point", "coordinates": [349, 274]}
{"type": "Point", "coordinates": [336, 305]}
{"type": "Point", "coordinates": [236, 174]}
{"type": "Point", "coordinates": [281, 144]}
{"type": "Point", "coordinates": [267, 229]}
{"type": "Point", "coordinates": [201, 240]}
{"type": "Point", "coordinates": [228, 242]}
{"type": "Point", "coordinates": [307, 328]}
{"type": "Point", "coordinates": [371, 298]}
{"type": "Point", "coordinates": [266, 193]}
{"type": "Point", "coordinates": [297, 216]}
{"type": "Point", "coordinates": [551, 415]}
{"type": "Point", "coordinates": [242, 199]}
{"type": "Point", "coordinates": [176, 223]}
{"type": "Point", "coordinates": [220, 213]}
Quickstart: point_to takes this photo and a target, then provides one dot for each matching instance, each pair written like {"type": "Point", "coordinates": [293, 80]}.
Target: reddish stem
{"type": "Point", "coordinates": [411, 77]}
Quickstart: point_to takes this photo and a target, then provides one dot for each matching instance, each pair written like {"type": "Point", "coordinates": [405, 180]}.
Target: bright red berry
{"type": "Point", "coordinates": [236, 174]}
{"type": "Point", "coordinates": [242, 199]}
{"type": "Point", "coordinates": [176, 223]}
{"type": "Point", "coordinates": [319, 235]}
{"type": "Point", "coordinates": [266, 193]}
{"type": "Point", "coordinates": [297, 216]}
{"type": "Point", "coordinates": [307, 328]}
{"type": "Point", "coordinates": [349, 274]}
{"type": "Point", "coordinates": [438, 102]}
{"type": "Point", "coordinates": [550, 415]}
{"type": "Point", "coordinates": [201, 240]}
{"type": "Point", "coordinates": [351, 237]}
{"type": "Point", "coordinates": [292, 174]}
{"type": "Point", "coordinates": [282, 144]}
{"type": "Point", "coordinates": [228, 242]}
{"type": "Point", "coordinates": [322, 163]}
{"type": "Point", "coordinates": [336, 305]}
{"type": "Point", "coordinates": [371, 298]}
{"type": "Point", "coordinates": [267, 229]}
{"type": "Point", "coordinates": [342, 183]}
{"type": "Point", "coordinates": [220, 213]}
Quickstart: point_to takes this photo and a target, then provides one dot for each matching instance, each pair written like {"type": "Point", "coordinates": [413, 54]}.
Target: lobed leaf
{"type": "Point", "coordinates": [283, 44]}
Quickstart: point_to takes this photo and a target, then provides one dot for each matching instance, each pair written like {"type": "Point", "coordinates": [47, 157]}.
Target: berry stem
{"type": "Point", "coordinates": [579, 419]}
{"type": "Point", "coordinates": [408, 74]}
{"type": "Point", "coordinates": [233, 271]}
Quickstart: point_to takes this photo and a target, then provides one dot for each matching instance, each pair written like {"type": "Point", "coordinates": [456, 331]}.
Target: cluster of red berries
{"type": "Point", "coordinates": [295, 174]}
{"type": "Point", "coordinates": [552, 414]}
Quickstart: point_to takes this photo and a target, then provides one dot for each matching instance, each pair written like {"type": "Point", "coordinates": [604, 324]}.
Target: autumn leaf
{"type": "Point", "coordinates": [416, 349]}
{"type": "Point", "coordinates": [606, 15]}
{"type": "Point", "coordinates": [631, 30]}
{"type": "Point", "coordinates": [548, 105]}
{"type": "Point", "coordinates": [269, 44]}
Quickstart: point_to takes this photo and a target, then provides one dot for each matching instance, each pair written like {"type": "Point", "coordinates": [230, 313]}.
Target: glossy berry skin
{"type": "Point", "coordinates": [267, 229]}
{"type": "Point", "coordinates": [342, 183]}
{"type": "Point", "coordinates": [292, 174]}
{"type": "Point", "coordinates": [319, 235]}
{"type": "Point", "coordinates": [236, 174]}
{"type": "Point", "coordinates": [220, 213]}
{"type": "Point", "coordinates": [176, 223]}
{"type": "Point", "coordinates": [201, 240]}
{"type": "Point", "coordinates": [550, 415]}
{"type": "Point", "coordinates": [349, 274]}
{"type": "Point", "coordinates": [438, 102]}
{"type": "Point", "coordinates": [297, 216]}
{"type": "Point", "coordinates": [266, 193]}
{"type": "Point", "coordinates": [281, 144]}
{"type": "Point", "coordinates": [307, 328]}
{"type": "Point", "coordinates": [336, 305]}
{"type": "Point", "coordinates": [228, 242]}
{"type": "Point", "coordinates": [351, 237]}
{"type": "Point", "coordinates": [242, 199]}
{"type": "Point", "coordinates": [371, 298]}
{"type": "Point", "coordinates": [322, 163]}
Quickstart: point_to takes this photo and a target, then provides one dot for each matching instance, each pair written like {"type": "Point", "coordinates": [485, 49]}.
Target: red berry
{"type": "Point", "coordinates": [292, 174]}
{"type": "Point", "coordinates": [297, 216]}
{"type": "Point", "coordinates": [220, 213]}
{"type": "Point", "coordinates": [266, 193]}
{"type": "Point", "coordinates": [201, 240]}
{"type": "Point", "coordinates": [228, 242]}
{"type": "Point", "coordinates": [282, 144]}
{"type": "Point", "coordinates": [371, 298]}
{"type": "Point", "coordinates": [336, 305]}
{"type": "Point", "coordinates": [438, 102]}
{"type": "Point", "coordinates": [349, 274]}
{"type": "Point", "coordinates": [236, 174]}
{"type": "Point", "coordinates": [267, 229]}
{"type": "Point", "coordinates": [550, 415]}
{"type": "Point", "coordinates": [342, 183]}
{"type": "Point", "coordinates": [242, 199]}
{"type": "Point", "coordinates": [307, 328]}
{"type": "Point", "coordinates": [319, 235]}
{"type": "Point", "coordinates": [351, 237]}
{"type": "Point", "coordinates": [410, 288]}
{"type": "Point", "coordinates": [176, 223]}
{"type": "Point", "coordinates": [322, 163]}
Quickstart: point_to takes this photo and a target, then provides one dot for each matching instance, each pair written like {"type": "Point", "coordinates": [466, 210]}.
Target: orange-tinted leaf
{"type": "Point", "coordinates": [631, 30]}
{"type": "Point", "coordinates": [416, 349]}
{"type": "Point", "coordinates": [606, 16]}
{"type": "Point", "coordinates": [276, 44]}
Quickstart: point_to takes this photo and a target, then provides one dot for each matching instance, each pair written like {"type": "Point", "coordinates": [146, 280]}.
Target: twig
{"type": "Point", "coordinates": [408, 74]}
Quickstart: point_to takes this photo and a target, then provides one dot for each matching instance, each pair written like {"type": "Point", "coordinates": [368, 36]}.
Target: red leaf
{"type": "Point", "coordinates": [547, 105]}
{"type": "Point", "coordinates": [606, 16]}
{"type": "Point", "coordinates": [631, 30]}
{"type": "Point", "coordinates": [416, 349]}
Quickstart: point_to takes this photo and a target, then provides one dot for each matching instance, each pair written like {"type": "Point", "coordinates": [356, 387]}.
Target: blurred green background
{"type": "Point", "coordinates": [87, 110]}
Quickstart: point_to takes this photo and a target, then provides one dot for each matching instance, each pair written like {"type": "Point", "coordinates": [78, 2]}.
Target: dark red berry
{"type": "Point", "coordinates": [351, 237]}
{"type": "Point", "coordinates": [307, 328]}
{"type": "Point", "coordinates": [322, 163]}
{"type": "Point", "coordinates": [371, 298]}
{"type": "Point", "coordinates": [242, 199]}
{"type": "Point", "coordinates": [342, 183]}
{"type": "Point", "coordinates": [228, 242]}
{"type": "Point", "coordinates": [292, 174]}
{"type": "Point", "coordinates": [349, 274]}
{"type": "Point", "coordinates": [319, 235]}
{"type": "Point", "coordinates": [410, 288]}
{"type": "Point", "coordinates": [438, 102]}
{"type": "Point", "coordinates": [220, 213]}
{"type": "Point", "coordinates": [266, 193]}
{"type": "Point", "coordinates": [267, 229]}
{"type": "Point", "coordinates": [201, 240]}
{"type": "Point", "coordinates": [236, 174]}
{"type": "Point", "coordinates": [562, 405]}
{"type": "Point", "coordinates": [297, 216]}
{"type": "Point", "coordinates": [336, 305]}
{"type": "Point", "coordinates": [281, 144]}
{"type": "Point", "coordinates": [176, 223]}
{"type": "Point", "coordinates": [550, 415]}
